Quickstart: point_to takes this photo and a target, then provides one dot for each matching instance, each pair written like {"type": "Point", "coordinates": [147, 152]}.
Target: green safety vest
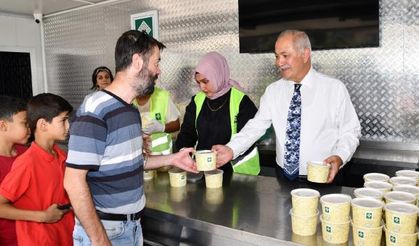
{"type": "Point", "coordinates": [161, 142]}
{"type": "Point", "coordinates": [250, 163]}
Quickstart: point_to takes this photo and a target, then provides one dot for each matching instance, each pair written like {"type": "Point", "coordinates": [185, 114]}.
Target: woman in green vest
{"type": "Point", "coordinates": [217, 112]}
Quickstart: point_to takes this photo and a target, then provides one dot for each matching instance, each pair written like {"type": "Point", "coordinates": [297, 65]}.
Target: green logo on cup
{"type": "Point", "coordinates": [326, 209]}
{"type": "Point", "coordinates": [393, 239]}
{"type": "Point", "coordinates": [368, 215]}
{"type": "Point", "coordinates": [328, 229]}
{"type": "Point", "coordinates": [396, 220]}
{"type": "Point", "coordinates": [209, 159]}
{"type": "Point", "coordinates": [361, 234]}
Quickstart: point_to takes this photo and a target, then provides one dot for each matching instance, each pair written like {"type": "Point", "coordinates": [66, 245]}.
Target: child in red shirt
{"type": "Point", "coordinates": [14, 132]}
{"type": "Point", "coordinates": [33, 191]}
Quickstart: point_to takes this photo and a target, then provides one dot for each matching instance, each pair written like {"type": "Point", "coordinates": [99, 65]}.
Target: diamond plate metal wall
{"type": "Point", "coordinates": [383, 82]}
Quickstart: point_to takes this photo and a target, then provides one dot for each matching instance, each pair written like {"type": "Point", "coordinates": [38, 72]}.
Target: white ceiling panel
{"type": "Point", "coordinates": [28, 7]}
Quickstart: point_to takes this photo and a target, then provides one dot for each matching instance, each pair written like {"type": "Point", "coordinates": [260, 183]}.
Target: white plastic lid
{"type": "Point", "coordinates": [305, 192]}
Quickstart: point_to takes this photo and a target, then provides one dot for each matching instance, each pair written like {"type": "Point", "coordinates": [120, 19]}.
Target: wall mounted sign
{"type": "Point", "coordinates": [146, 21]}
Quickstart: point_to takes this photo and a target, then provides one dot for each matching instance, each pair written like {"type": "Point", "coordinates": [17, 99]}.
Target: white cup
{"type": "Point", "coordinates": [379, 185]}
{"type": "Point", "coordinates": [149, 174]}
{"type": "Point", "coordinates": [368, 193]}
{"type": "Point", "coordinates": [305, 201]}
{"type": "Point", "coordinates": [214, 178]}
{"type": "Point", "coordinates": [376, 177]}
{"type": "Point", "coordinates": [336, 207]}
{"type": "Point", "coordinates": [177, 177]}
{"type": "Point", "coordinates": [403, 181]}
{"type": "Point", "coordinates": [400, 239]}
{"type": "Point", "coordinates": [304, 225]}
{"type": "Point", "coordinates": [414, 190]}
{"type": "Point", "coordinates": [401, 217]}
{"type": "Point", "coordinates": [400, 196]}
{"type": "Point", "coordinates": [205, 160]}
{"type": "Point", "coordinates": [408, 174]}
{"type": "Point", "coordinates": [317, 171]}
{"type": "Point", "coordinates": [367, 212]}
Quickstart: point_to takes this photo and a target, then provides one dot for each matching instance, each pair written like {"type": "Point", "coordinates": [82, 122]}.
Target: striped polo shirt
{"type": "Point", "coordinates": [105, 138]}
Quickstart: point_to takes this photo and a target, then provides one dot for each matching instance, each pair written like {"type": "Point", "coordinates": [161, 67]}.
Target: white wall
{"type": "Point", "coordinates": [21, 34]}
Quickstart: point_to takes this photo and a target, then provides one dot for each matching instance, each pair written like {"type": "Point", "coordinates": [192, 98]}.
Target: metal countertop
{"type": "Point", "coordinates": [250, 208]}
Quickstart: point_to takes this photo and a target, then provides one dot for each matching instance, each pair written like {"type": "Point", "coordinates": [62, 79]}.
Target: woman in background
{"type": "Point", "coordinates": [101, 78]}
{"type": "Point", "coordinates": [217, 112]}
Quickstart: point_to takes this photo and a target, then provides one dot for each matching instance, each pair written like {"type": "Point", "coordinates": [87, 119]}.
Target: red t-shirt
{"type": "Point", "coordinates": [35, 182]}
{"type": "Point", "coordinates": [7, 227]}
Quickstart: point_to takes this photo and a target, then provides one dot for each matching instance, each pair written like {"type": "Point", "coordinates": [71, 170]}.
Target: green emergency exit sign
{"type": "Point", "coordinates": [146, 21]}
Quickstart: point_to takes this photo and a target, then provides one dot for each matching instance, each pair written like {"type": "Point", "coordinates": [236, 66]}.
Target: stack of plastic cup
{"type": "Point", "coordinates": [400, 196]}
{"type": "Point", "coordinates": [403, 181]}
{"type": "Point", "coordinates": [335, 218]}
{"type": "Point", "coordinates": [401, 221]}
{"type": "Point", "coordinates": [408, 174]}
{"type": "Point", "coordinates": [366, 221]}
{"type": "Point", "coordinates": [414, 190]}
{"type": "Point", "coordinates": [368, 193]}
{"type": "Point", "coordinates": [304, 212]}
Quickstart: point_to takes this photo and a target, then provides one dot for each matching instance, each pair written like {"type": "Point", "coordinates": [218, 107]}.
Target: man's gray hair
{"type": "Point", "coordinates": [300, 38]}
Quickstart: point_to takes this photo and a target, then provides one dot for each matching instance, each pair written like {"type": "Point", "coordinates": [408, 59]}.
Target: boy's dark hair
{"type": "Point", "coordinates": [98, 70]}
{"type": "Point", "coordinates": [46, 106]}
{"type": "Point", "coordinates": [134, 42]}
{"type": "Point", "coordinates": [10, 106]}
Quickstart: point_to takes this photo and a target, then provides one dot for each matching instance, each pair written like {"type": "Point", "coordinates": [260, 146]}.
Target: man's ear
{"type": "Point", "coordinates": [307, 54]}
{"type": "Point", "coordinates": [3, 125]}
{"type": "Point", "coordinates": [137, 62]}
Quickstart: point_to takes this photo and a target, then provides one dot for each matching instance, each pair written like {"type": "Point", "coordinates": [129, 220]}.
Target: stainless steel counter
{"type": "Point", "coordinates": [246, 211]}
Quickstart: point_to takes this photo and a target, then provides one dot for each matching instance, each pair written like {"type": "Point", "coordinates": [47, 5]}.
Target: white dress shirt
{"type": "Point", "coordinates": [329, 124]}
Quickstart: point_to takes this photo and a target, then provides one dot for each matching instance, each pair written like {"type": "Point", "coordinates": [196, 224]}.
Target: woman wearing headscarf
{"type": "Point", "coordinates": [217, 112]}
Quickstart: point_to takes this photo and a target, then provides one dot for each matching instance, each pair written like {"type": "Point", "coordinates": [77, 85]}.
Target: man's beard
{"type": "Point", "coordinates": [146, 82]}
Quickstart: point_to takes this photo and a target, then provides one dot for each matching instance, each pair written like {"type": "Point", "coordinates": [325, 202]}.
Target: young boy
{"type": "Point", "coordinates": [33, 192]}
{"type": "Point", "coordinates": [14, 132]}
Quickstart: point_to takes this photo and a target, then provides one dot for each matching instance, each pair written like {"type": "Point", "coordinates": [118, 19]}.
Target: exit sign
{"type": "Point", "coordinates": [146, 21]}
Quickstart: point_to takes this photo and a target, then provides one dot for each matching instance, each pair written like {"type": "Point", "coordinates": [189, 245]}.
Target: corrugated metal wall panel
{"type": "Point", "coordinates": [383, 82]}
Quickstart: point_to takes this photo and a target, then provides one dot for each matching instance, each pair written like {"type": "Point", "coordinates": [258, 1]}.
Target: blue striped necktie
{"type": "Point", "coordinates": [292, 141]}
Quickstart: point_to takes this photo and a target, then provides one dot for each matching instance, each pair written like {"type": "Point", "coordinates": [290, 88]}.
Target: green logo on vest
{"type": "Point", "coordinates": [158, 116]}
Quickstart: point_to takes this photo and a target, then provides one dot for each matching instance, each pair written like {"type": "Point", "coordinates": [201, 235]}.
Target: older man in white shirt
{"type": "Point", "coordinates": [328, 127]}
